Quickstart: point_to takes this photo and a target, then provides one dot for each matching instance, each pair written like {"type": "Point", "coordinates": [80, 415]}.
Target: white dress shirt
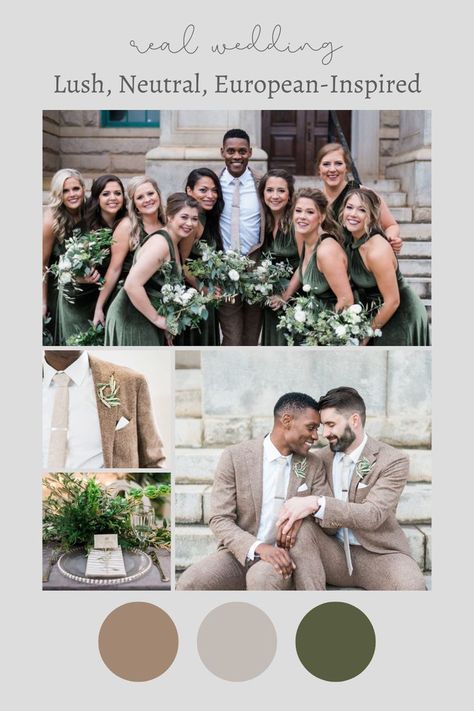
{"type": "Point", "coordinates": [271, 455]}
{"type": "Point", "coordinates": [84, 443]}
{"type": "Point", "coordinates": [249, 221]}
{"type": "Point", "coordinates": [337, 486]}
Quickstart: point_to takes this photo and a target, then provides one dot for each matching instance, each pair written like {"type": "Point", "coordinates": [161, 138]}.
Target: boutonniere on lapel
{"type": "Point", "coordinates": [108, 393]}
{"type": "Point", "coordinates": [299, 469]}
{"type": "Point", "coordinates": [363, 467]}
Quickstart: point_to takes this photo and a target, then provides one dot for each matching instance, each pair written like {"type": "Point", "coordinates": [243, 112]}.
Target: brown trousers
{"type": "Point", "coordinates": [240, 323]}
{"type": "Point", "coordinates": [222, 571]}
{"type": "Point", "coordinates": [371, 571]}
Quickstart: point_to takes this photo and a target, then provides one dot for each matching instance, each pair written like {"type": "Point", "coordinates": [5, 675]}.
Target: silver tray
{"type": "Point", "coordinates": [73, 565]}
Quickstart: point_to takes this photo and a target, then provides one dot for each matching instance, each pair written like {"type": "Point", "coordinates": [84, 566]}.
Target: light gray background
{"type": "Point", "coordinates": [51, 639]}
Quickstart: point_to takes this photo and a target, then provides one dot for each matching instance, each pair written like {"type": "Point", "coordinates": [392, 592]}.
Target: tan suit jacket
{"type": "Point", "coordinates": [236, 500]}
{"type": "Point", "coordinates": [370, 510]}
{"type": "Point", "coordinates": [138, 444]}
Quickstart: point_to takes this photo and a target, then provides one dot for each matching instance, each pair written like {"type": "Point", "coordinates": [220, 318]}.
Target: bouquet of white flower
{"type": "Point", "coordinates": [84, 251]}
{"type": "Point", "coordinates": [267, 279]}
{"type": "Point", "coordinates": [307, 322]}
{"type": "Point", "coordinates": [220, 270]}
{"type": "Point", "coordinates": [182, 307]}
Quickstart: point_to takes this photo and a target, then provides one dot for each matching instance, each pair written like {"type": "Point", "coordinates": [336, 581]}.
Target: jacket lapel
{"type": "Point", "coordinates": [108, 416]}
{"type": "Point", "coordinates": [369, 452]}
{"type": "Point", "coordinates": [294, 482]}
{"type": "Point", "coordinates": [254, 464]}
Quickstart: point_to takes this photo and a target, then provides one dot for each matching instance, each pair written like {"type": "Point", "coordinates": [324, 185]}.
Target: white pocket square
{"type": "Point", "coordinates": [303, 487]}
{"type": "Point", "coordinates": [362, 485]}
{"type": "Point", "coordinates": [123, 422]}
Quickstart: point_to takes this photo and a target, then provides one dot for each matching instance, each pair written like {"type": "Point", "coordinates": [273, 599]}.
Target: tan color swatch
{"type": "Point", "coordinates": [138, 641]}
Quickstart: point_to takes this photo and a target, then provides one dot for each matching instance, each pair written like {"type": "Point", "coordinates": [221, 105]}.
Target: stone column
{"type": "Point", "coordinates": [51, 151]}
{"type": "Point", "coordinates": [192, 139]}
{"type": "Point", "coordinates": [412, 166]}
{"type": "Point", "coordinates": [365, 143]}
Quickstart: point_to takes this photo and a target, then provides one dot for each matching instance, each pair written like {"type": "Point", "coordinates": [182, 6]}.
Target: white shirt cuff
{"type": "Point", "coordinates": [251, 553]}
{"type": "Point", "coordinates": [322, 506]}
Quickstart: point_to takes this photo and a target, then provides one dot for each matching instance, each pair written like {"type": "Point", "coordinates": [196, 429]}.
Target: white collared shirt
{"type": "Point", "coordinates": [249, 221]}
{"type": "Point", "coordinates": [84, 443]}
{"type": "Point", "coordinates": [271, 455]}
{"type": "Point", "coordinates": [337, 485]}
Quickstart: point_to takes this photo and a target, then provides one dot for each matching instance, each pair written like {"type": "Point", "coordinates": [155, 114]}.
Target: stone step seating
{"type": "Point", "coordinates": [195, 464]}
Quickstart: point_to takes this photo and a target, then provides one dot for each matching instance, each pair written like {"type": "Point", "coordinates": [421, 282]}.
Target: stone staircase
{"type": "Point", "coordinates": [198, 450]}
{"type": "Point", "coordinates": [415, 230]}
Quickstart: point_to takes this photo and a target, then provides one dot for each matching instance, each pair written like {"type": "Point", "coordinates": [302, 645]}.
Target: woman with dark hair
{"type": "Point", "coordinates": [203, 185]}
{"type": "Point", "coordinates": [145, 215]}
{"type": "Point", "coordinates": [323, 262]}
{"type": "Point", "coordinates": [132, 320]}
{"type": "Point", "coordinates": [374, 273]}
{"type": "Point", "coordinates": [276, 190]}
{"type": "Point", "coordinates": [64, 214]}
{"type": "Point", "coordinates": [333, 166]}
{"type": "Point", "coordinates": [105, 208]}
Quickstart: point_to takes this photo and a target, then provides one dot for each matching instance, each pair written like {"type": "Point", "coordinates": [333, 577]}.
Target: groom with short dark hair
{"type": "Point", "coordinates": [251, 483]}
{"type": "Point", "coordinates": [357, 540]}
{"type": "Point", "coordinates": [242, 226]}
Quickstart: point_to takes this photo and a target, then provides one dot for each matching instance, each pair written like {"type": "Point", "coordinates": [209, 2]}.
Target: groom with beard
{"type": "Point", "coordinates": [357, 539]}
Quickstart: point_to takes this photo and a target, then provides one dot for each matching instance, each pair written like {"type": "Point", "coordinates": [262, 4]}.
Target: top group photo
{"type": "Point", "coordinates": [236, 228]}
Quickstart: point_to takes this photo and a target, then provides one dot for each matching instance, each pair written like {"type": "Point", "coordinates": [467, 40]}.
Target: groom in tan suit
{"type": "Point", "coordinates": [251, 482]}
{"type": "Point", "coordinates": [357, 540]}
{"type": "Point", "coordinates": [110, 421]}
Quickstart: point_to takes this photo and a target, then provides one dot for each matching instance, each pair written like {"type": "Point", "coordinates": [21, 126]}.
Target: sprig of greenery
{"type": "Point", "coordinates": [94, 336]}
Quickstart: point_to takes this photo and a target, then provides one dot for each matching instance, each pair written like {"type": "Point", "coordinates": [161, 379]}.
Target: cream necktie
{"type": "Point", "coordinates": [235, 218]}
{"type": "Point", "coordinates": [345, 481]}
{"type": "Point", "coordinates": [279, 497]}
{"type": "Point", "coordinates": [59, 423]}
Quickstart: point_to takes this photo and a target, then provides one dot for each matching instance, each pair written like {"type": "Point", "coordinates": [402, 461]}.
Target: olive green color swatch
{"type": "Point", "coordinates": [335, 641]}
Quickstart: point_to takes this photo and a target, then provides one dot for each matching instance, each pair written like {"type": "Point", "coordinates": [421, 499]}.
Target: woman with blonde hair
{"type": "Point", "coordinates": [64, 214]}
{"type": "Point", "coordinates": [374, 273]}
{"type": "Point", "coordinates": [145, 216]}
{"type": "Point", "coordinates": [333, 165]}
{"type": "Point", "coordinates": [132, 320]}
{"type": "Point", "coordinates": [105, 208]}
{"type": "Point", "coordinates": [323, 262]}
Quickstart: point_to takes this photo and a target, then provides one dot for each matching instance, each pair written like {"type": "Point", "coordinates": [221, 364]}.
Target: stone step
{"type": "Point", "coordinates": [394, 199]}
{"type": "Point", "coordinates": [196, 466]}
{"type": "Point", "coordinates": [402, 214]}
{"type": "Point", "coordinates": [420, 231]}
{"type": "Point", "coordinates": [188, 403]}
{"type": "Point", "coordinates": [415, 504]}
{"type": "Point", "coordinates": [415, 267]}
{"type": "Point", "coordinates": [189, 503]}
{"type": "Point", "coordinates": [192, 543]}
{"type": "Point", "coordinates": [421, 286]}
{"type": "Point", "coordinates": [188, 379]}
{"type": "Point", "coordinates": [414, 249]}
{"type": "Point", "coordinates": [188, 432]}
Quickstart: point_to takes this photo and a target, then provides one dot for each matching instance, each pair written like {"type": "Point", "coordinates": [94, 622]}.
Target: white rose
{"type": "Point", "coordinates": [340, 331]}
{"type": "Point", "coordinates": [234, 275]}
{"type": "Point", "coordinates": [65, 263]}
{"type": "Point", "coordinates": [65, 278]}
{"type": "Point", "coordinates": [306, 288]}
{"type": "Point", "coordinates": [377, 332]}
{"type": "Point", "coordinates": [355, 308]}
{"type": "Point", "coordinates": [300, 316]}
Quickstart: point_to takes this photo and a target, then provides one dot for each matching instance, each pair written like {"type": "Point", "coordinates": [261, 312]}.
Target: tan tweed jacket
{"type": "Point", "coordinates": [138, 444]}
{"type": "Point", "coordinates": [236, 500]}
{"type": "Point", "coordinates": [370, 510]}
